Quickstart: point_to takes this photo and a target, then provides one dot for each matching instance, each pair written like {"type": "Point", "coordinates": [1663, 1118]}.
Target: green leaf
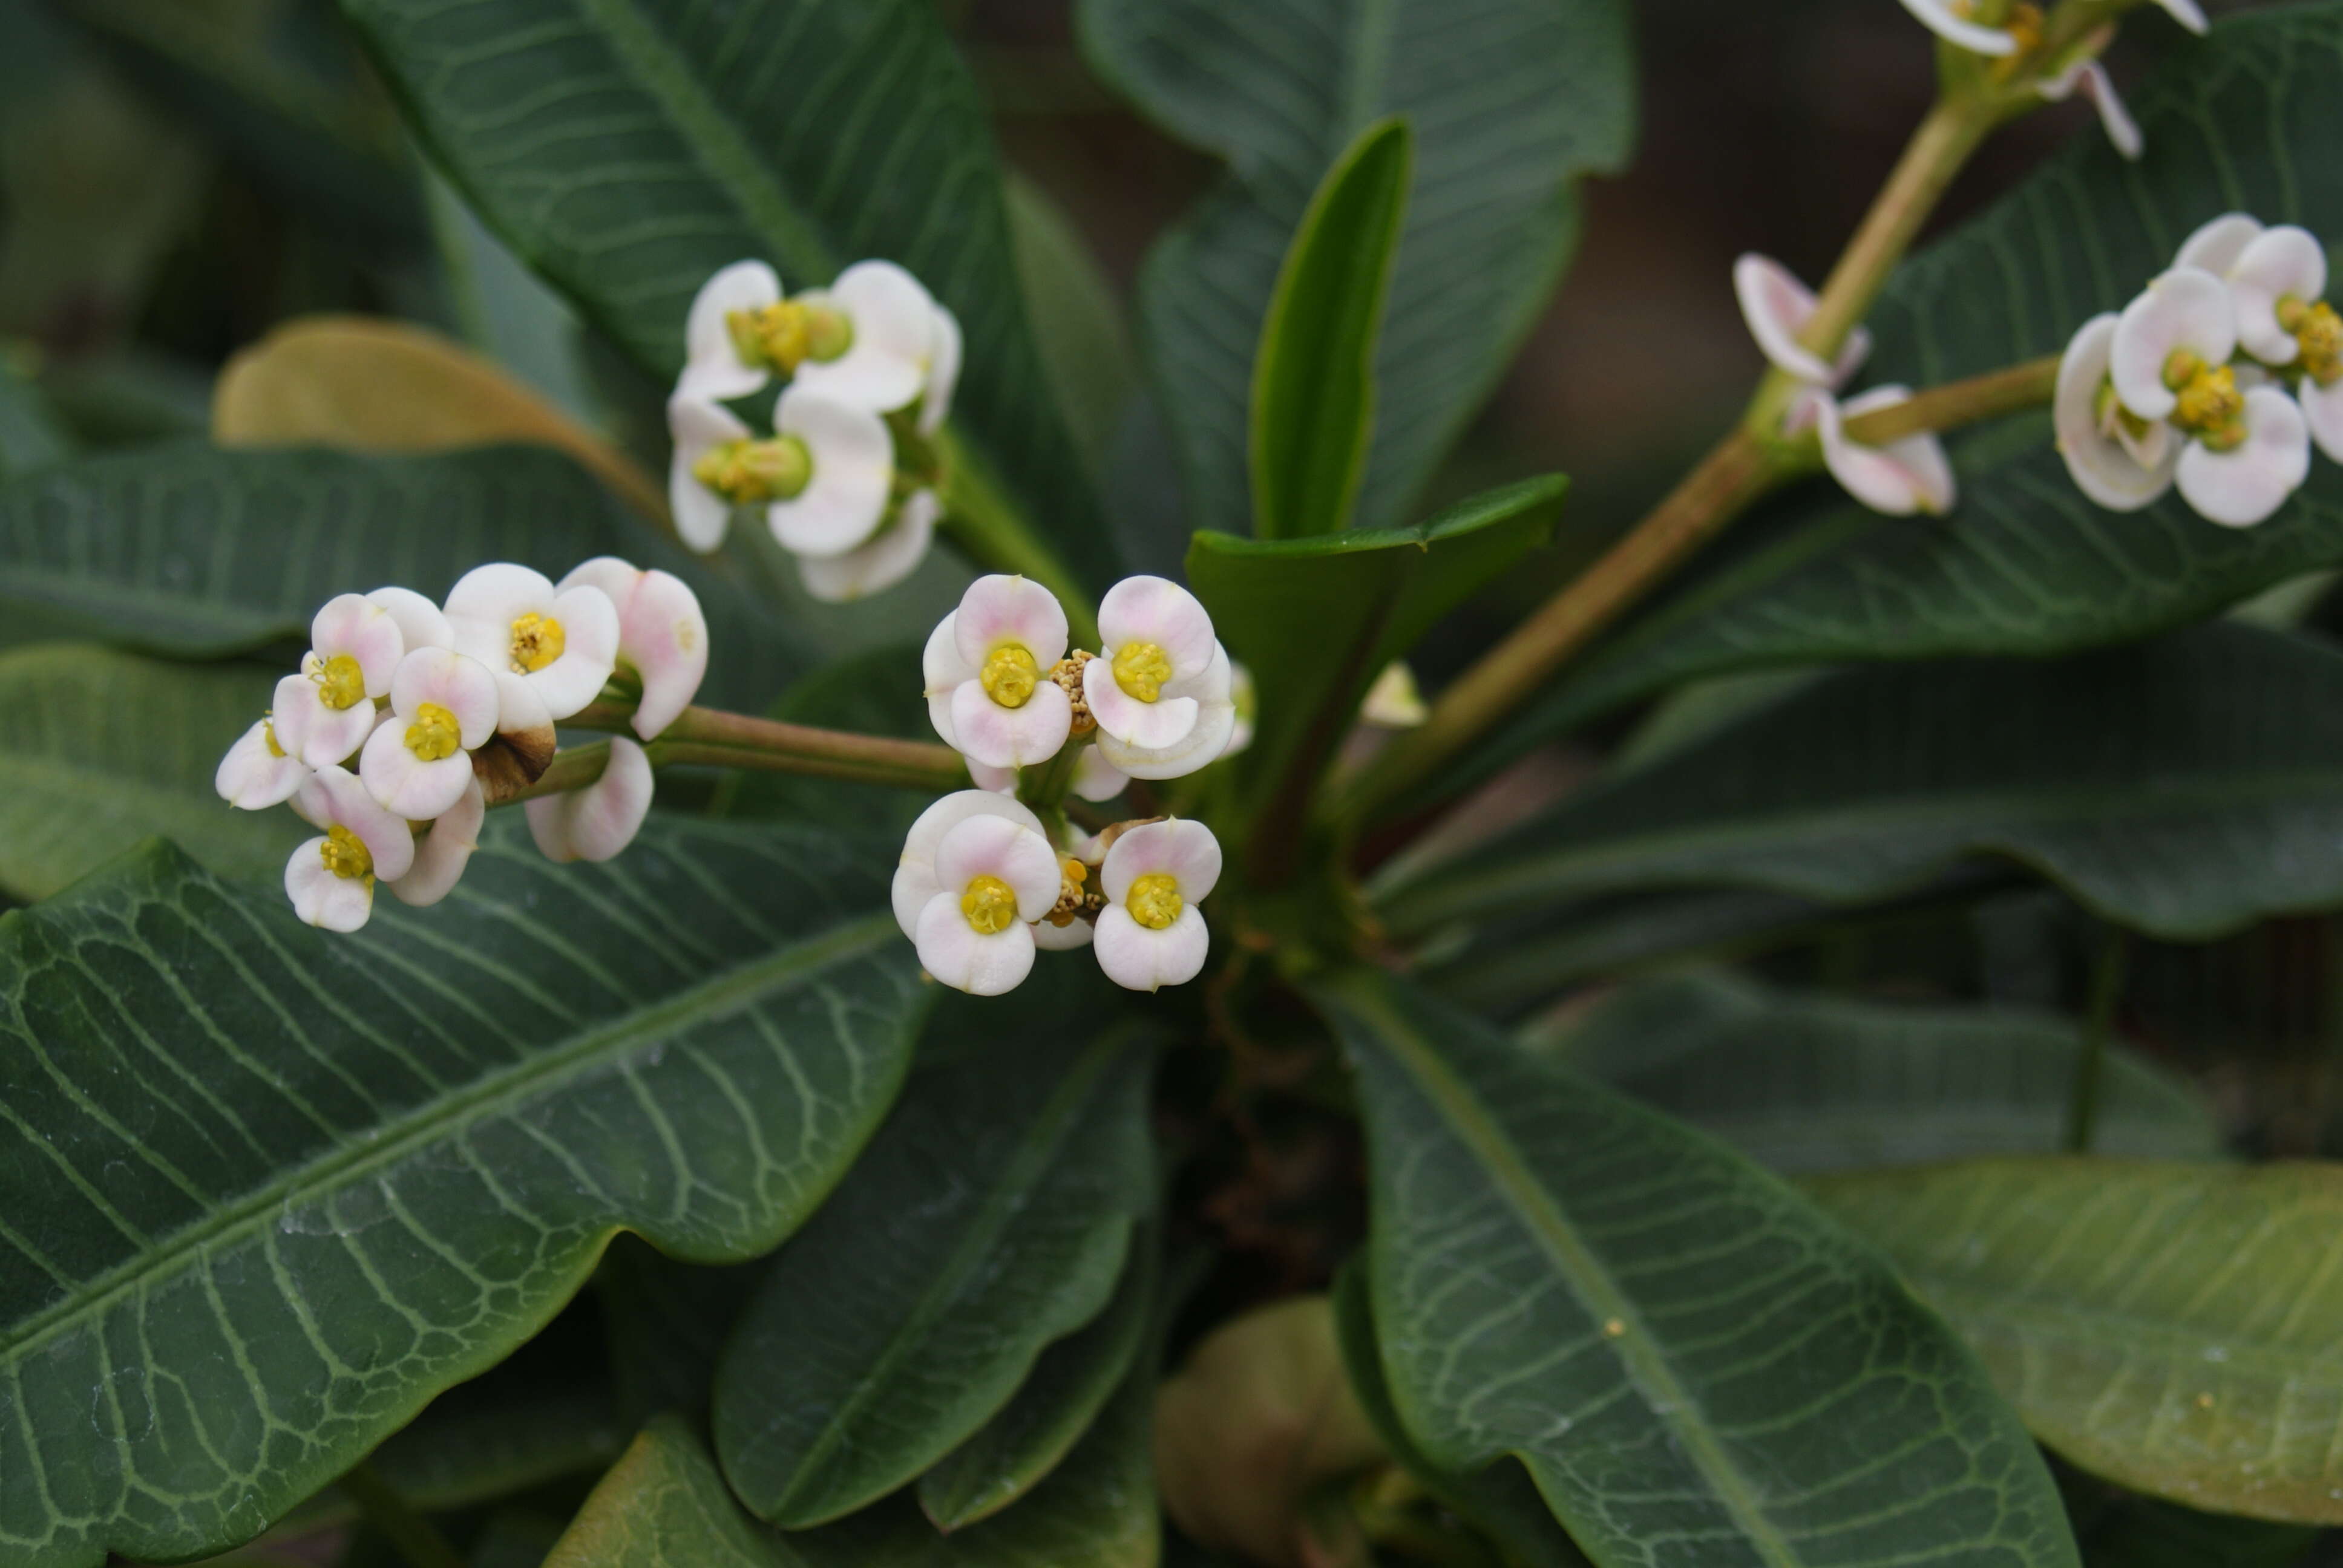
{"type": "Point", "coordinates": [2186, 788]}
{"type": "Point", "coordinates": [271, 1190]}
{"type": "Point", "coordinates": [1314, 379]}
{"type": "Point", "coordinates": [666, 1323]}
{"type": "Point", "coordinates": [627, 150]}
{"type": "Point", "coordinates": [505, 310]}
{"type": "Point", "coordinates": [2171, 1327]}
{"type": "Point", "coordinates": [1694, 1363]}
{"type": "Point", "coordinates": [991, 1217]}
{"type": "Point", "coordinates": [30, 434]}
{"type": "Point", "coordinates": [1069, 1385]}
{"type": "Point", "coordinates": [1078, 327]}
{"type": "Point", "coordinates": [1804, 1083]}
{"type": "Point", "coordinates": [1510, 101]}
{"type": "Point", "coordinates": [101, 750]}
{"type": "Point", "coordinates": [1316, 620]}
{"type": "Point", "coordinates": [874, 694]}
{"type": "Point", "coordinates": [2145, 1533]}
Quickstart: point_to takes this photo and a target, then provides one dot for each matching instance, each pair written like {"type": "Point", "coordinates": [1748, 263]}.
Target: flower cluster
{"type": "Point", "coordinates": [2019, 37]}
{"type": "Point", "coordinates": [405, 714]}
{"type": "Point", "coordinates": [846, 477]}
{"type": "Point", "coordinates": [2216, 378]}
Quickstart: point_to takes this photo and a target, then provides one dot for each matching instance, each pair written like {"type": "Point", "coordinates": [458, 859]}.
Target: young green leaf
{"type": "Point", "coordinates": [1314, 376]}
{"type": "Point", "coordinates": [271, 1190]}
{"type": "Point", "coordinates": [1695, 1364]}
{"type": "Point", "coordinates": [2170, 1327]}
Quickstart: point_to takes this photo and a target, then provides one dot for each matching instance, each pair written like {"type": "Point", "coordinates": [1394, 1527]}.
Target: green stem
{"type": "Point", "coordinates": [712, 737]}
{"type": "Point", "coordinates": [416, 1539]}
{"type": "Point", "coordinates": [996, 536]}
{"type": "Point", "coordinates": [1044, 787]}
{"type": "Point", "coordinates": [2028, 385]}
{"type": "Point", "coordinates": [2107, 989]}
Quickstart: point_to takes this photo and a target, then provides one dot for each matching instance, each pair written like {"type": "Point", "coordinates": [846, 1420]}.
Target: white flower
{"type": "Point", "coordinates": [850, 473]}
{"type": "Point", "coordinates": [715, 368]}
{"type": "Point", "coordinates": [943, 373]}
{"type": "Point", "coordinates": [891, 338]}
{"type": "Point", "coordinates": [330, 879]}
{"type": "Point", "coordinates": [326, 713]}
{"type": "Point", "coordinates": [1948, 19]}
{"type": "Point", "coordinates": [1154, 677]}
{"type": "Point", "coordinates": [443, 707]}
{"type": "Point", "coordinates": [2177, 336]}
{"type": "Point", "coordinates": [561, 645]}
{"type": "Point", "coordinates": [1243, 699]}
{"type": "Point", "coordinates": [2216, 245]}
{"type": "Point", "coordinates": [2118, 459]}
{"type": "Point", "coordinates": [258, 772]}
{"type": "Point", "coordinates": [2123, 130]}
{"type": "Point", "coordinates": [419, 622]}
{"type": "Point", "coordinates": [1906, 476]}
{"type": "Point", "coordinates": [2241, 483]}
{"type": "Point", "coordinates": [598, 822]}
{"type": "Point", "coordinates": [703, 434]}
{"type": "Point", "coordinates": [1777, 306]}
{"type": "Point", "coordinates": [1150, 932]}
{"type": "Point", "coordinates": [987, 665]}
{"type": "Point", "coordinates": [2275, 283]}
{"type": "Point", "coordinates": [442, 853]}
{"type": "Point", "coordinates": [886, 558]}
{"type": "Point", "coordinates": [1208, 741]}
{"type": "Point", "coordinates": [663, 635]}
{"type": "Point", "coordinates": [976, 872]}
{"type": "Point", "coordinates": [1392, 702]}
{"type": "Point", "coordinates": [1096, 778]}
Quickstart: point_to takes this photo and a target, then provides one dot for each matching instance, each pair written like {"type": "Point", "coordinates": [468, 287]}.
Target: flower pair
{"type": "Point", "coordinates": [979, 888]}
{"type": "Point", "coordinates": [845, 477]}
{"type": "Point", "coordinates": [2186, 386]}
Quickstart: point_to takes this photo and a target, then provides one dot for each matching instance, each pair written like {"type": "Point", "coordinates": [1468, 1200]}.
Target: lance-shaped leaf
{"type": "Point", "coordinates": [1695, 1364]}
{"type": "Point", "coordinates": [2186, 788]}
{"type": "Point", "coordinates": [991, 1217]}
{"type": "Point", "coordinates": [2172, 1327]}
{"type": "Point", "coordinates": [1314, 380]}
{"type": "Point", "coordinates": [627, 150]}
{"type": "Point", "coordinates": [1510, 101]}
{"type": "Point", "coordinates": [271, 1190]}
{"type": "Point", "coordinates": [100, 749]}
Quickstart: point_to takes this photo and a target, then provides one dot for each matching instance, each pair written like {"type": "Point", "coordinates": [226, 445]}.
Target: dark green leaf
{"type": "Point", "coordinates": [2171, 1327]}
{"type": "Point", "coordinates": [1077, 325]}
{"type": "Point", "coordinates": [101, 750]}
{"type": "Point", "coordinates": [991, 1217]}
{"type": "Point", "coordinates": [627, 150]}
{"type": "Point", "coordinates": [2145, 1532]}
{"type": "Point", "coordinates": [2186, 788]}
{"type": "Point", "coordinates": [667, 1322]}
{"type": "Point", "coordinates": [1314, 379]}
{"type": "Point", "coordinates": [30, 435]}
{"type": "Point", "coordinates": [271, 1190]}
{"type": "Point", "coordinates": [1510, 101]}
{"type": "Point", "coordinates": [1694, 1363]}
{"type": "Point", "coordinates": [875, 694]}
{"type": "Point", "coordinates": [1816, 1083]}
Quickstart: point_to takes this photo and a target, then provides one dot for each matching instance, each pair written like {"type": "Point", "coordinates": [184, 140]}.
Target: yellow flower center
{"type": "Point", "coordinates": [1154, 900]}
{"type": "Point", "coordinates": [1141, 669]}
{"type": "Point", "coordinates": [2319, 331]}
{"type": "Point", "coordinates": [989, 906]}
{"type": "Point", "coordinates": [752, 473]}
{"type": "Point", "coordinates": [340, 682]}
{"type": "Point", "coordinates": [345, 853]}
{"type": "Point", "coordinates": [2211, 408]}
{"type": "Point", "coordinates": [785, 334]}
{"type": "Point", "coordinates": [269, 736]}
{"type": "Point", "coordinates": [433, 736]}
{"type": "Point", "coordinates": [536, 641]}
{"type": "Point", "coordinates": [1009, 675]}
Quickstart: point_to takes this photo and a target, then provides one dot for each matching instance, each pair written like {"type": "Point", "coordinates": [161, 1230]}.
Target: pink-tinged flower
{"type": "Point", "coordinates": [354, 644]}
{"type": "Point", "coordinates": [1777, 306]}
{"type": "Point", "coordinates": [1155, 668]}
{"type": "Point", "coordinates": [443, 707]}
{"type": "Point", "coordinates": [663, 635]}
{"type": "Point", "coordinates": [2123, 130]}
{"type": "Point", "coordinates": [443, 852]}
{"type": "Point", "coordinates": [2118, 459]}
{"type": "Point", "coordinates": [2217, 245]}
{"type": "Point", "coordinates": [420, 623]}
{"type": "Point", "coordinates": [884, 559]}
{"type": "Point", "coordinates": [1906, 476]}
{"type": "Point", "coordinates": [258, 771]}
{"type": "Point", "coordinates": [1216, 721]}
{"type": "Point", "coordinates": [915, 872]}
{"type": "Point", "coordinates": [891, 346]}
{"type": "Point", "coordinates": [1096, 778]}
{"type": "Point", "coordinates": [561, 644]}
{"type": "Point", "coordinates": [330, 879]}
{"type": "Point", "coordinates": [725, 316]}
{"type": "Point", "coordinates": [1150, 933]}
{"type": "Point", "coordinates": [2240, 484]}
{"type": "Point", "coordinates": [988, 664]}
{"type": "Point", "coordinates": [2173, 339]}
{"type": "Point", "coordinates": [994, 876]}
{"type": "Point", "coordinates": [598, 822]}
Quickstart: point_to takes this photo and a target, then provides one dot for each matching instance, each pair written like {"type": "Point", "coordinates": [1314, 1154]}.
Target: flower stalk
{"type": "Point", "coordinates": [712, 737]}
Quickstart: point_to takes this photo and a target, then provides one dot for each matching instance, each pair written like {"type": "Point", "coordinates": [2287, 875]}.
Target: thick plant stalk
{"type": "Point", "coordinates": [712, 737]}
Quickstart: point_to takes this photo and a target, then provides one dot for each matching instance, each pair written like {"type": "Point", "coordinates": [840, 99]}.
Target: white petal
{"type": "Point", "coordinates": [999, 737]}
{"type": "Point", "coordinates": [1947, 24]}
{"type": "Point", "coordinates": [252, 777]}
{"type": "Point", "coordinates": [890, 556]}
{"type": "Point", "coordinates": [1075, 933]}
{"type": "Point", "coordinates": [1177, 848]}
{"type": "Point", "coordinates": [1150, 726]}
{"type": "Point", "coordinates": [442, 855]}
{"type": "Point", "coordinates": [1216, 721]}
{"type": "Point", "coordinates": [943, 373]}
{"type": "Point", "coordinates": [318, 734]}
{"type": "Point", "coordinates": [1158, 611]}
{"type": "Point", "coordinates": [332, 902]}
{"type": "Point", "coordinates": [694, 426]}
{"type": "Point", "coordinates": [2240, 487]}
{"type": "Point", "coordinates": [2283, 263]}
{"type": "Point", "coordinates": [943, 669]}
{"type": "Point", "coordinates": [589, 651]}
{"type": "Point", "coordinates": [2123, 130]}
{"type": "Point", "coordinates": [1096, 778]}
{"type": "Point", "coordinates": [465, 686]}
{"type": "Point", "coordinates": [915, 874]}
{"type": "Point", "coordinates": [419, 622]}
{"type": "Point", "coordinates": [854, 460]}
{"type": "Point", "coordinates": [355, 624]}
{"type": "Point", "coordinates": [2103, 469]}
{"type": "Point", "coordinates": [1394, 702]}
{"type": "Point", "coordinates": [494, 595]}
{"type": "Point", "coordinates": [664, 634]}
{"type": "Point", "coordinates": [1137, 958]}
{"type": "Point", "coordinates": [615, 576]}
{"type": "Point", "coordinates": [2322, 411]}
{"type": "Point", "coordinates": [404, 784]}
{"type": "Point", "coordinates": [2216, 245]}
{"type": "Point", "coordinates": [894, 337]}
{"type": "Point", "coordinates": [960, 956]}
{"type": "Point", "coordinates": [1777, 306]}
{"type": "Point", "coordinates": [988, 844]}
{"type": "Point", "coordinates": [519, 709]}
{"type": "Point", "coordinates": [713, 368]}
{"type": "Point", "coordinates": [2187, 308]}
{"type": "Point", "coordinates": [598, 822]}
{"type": "Point", "coordinates": [2186, 13]}
{"type": "Point", "coordinates": [998, 609]}
{"type": "Point", "coordinates": [1243, 700]}
{"type": "Point", "coordinates": [1912, 474]}
{"type": "Point", "coordinates": [998, 781]}
{"type": "Point", "coordinates": [334, 796]}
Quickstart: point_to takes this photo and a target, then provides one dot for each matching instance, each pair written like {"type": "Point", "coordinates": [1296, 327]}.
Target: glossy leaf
{"type": "Point", "coordinates": [990, 1218]}
{"type": "Point", "coordinates": [1694, 1363]}
{"type": "Point", "coordinates": [505, 310]}
{"type": "Point", "coordinates": [1510, 101]}
{"type": "Point", "coordinates": [627, 150]}
{"type": "Point", "coordinates": [271, 1190]}
{"type": "Point", "coordinates": [1314, 377]}
{"type": "Point", "coordinates": [31, 437]}
{"type": "Point", "coordinates": [100, 749]}
{"type": "Point", "coordinates": [1078, 321]}
{"type": "Point", "coordinates": [2171, 1327]}
{"type": "Point", "coordinates": [2185, 788]}
{"type": "Point", "coordinates": [1806, 1083]}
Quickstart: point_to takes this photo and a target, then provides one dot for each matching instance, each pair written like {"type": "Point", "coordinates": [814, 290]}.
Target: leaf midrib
{"type": "Point", "coordinates": [437, 1118]}
{"type": "Point", "coordinates": [1664, 1393]}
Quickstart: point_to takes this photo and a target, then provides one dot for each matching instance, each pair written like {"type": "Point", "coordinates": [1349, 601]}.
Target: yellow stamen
{"type": "Point", "coordinates": [1154, 900]}
{"type": "Point", "coordinates": [341, 684]}
{"type": "Point", "coordinates": [829, 334]}
{"type": "Point", "coordinates": [433, 737]}
{"type": "Point", "coordinates": [1141, 669]}
{"type": "Point", "coordinates": [346, 854]}
{"type": "Point", "coordinates": [269, 736]}
{"type": "Point", "coordinates": [2319, 332]}
{"type": "Point", "coordinates": [1009, 675]}
{"type": "Point", "coordinates": [536, 641]}
{"type": "Point", "coordinates": [2211, 408]}
{"type": "Point", "coordinates": [773, 337]}
{"type": "Point", "coordinates": [753, 473]}
{"type": "Point", "coordinates": [989, 906]}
